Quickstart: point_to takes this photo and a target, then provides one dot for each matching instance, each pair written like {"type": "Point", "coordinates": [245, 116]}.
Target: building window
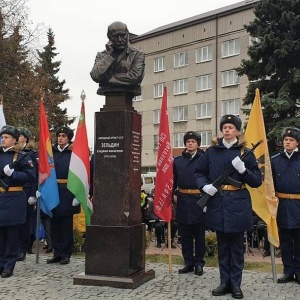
{"type": "Point", "coordinates": [230, 78]}
{"type": "Point", "coordinates": [178, 140]}
{"type": "Point", "coordinates": [138, 98]}
{"type": "Point", "coordinates": [180, 113]}
{"type": "Point", "coordinates": [203, 110]}
{"type": "Point", "coordinates": [180, 59]}
{"type": "Point", "coordinates": [231, 107]}
{"type": "Point", "coordinates": [159, 64]}
{"type": "Point", "coordinates": [230, 48]}
{"type": "Point", "coordinates": [158, 90]}
{"type": "Point", "coordinates": [156, 116]}
{"type": "Point", "coordinates": [155, 141]}
{"type": "Point", "coordinates": [204, 54]}
{"type": "Point", "coordinates": [180, 86]}
{"type": "Point", "coordinates": [206, 137]}
{"type": "Point", "coordinates": [204, 82]}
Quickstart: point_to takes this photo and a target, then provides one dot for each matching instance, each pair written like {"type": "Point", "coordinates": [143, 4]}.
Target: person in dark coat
{"type": "Point", "coordinates": [286, 171]}
{"type": "Point", "coordinates": [190, 217]}
{"type": "Point", "coordinates": [62, 220]}
{"type": "Point", "coordinates": [13, 199]}
{"type": "Point", "coordinates": [26, 230]}
{"type": "Point", "coordinates": [229, 210]}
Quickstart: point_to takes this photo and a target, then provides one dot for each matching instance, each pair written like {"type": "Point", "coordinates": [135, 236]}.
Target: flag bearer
{"type": "Point", "coordinates": [286, 172]}
{"type": "Point", "coordinates": [229, 210]}
{"type": "Point", "coordinates": [189, 215]}
{"type": "Point", "coordinates": [12, 197]}
{"type": "Point", "coordinates": [26, 230]}
{"type": "Point", "coordinates": [62, 221]}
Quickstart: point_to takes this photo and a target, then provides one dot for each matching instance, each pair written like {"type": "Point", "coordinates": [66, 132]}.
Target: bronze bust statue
{"type": "Point", "coordinates": [119, 68]}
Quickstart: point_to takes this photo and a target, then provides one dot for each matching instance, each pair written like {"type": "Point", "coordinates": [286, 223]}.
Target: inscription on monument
{"type": "Point", "coordinates": [136, 150]}
{"type": "Point", "coordinates": [110, 146]}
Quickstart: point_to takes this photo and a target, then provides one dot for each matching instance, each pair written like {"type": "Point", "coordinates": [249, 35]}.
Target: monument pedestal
{"type": "Point", "coordinates": [115, 241]}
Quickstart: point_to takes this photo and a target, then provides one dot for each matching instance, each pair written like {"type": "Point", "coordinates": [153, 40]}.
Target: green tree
{"type": "Point", "coordinates": [274, 64]}
{"type": "Point", "coordinates": [54, 92]}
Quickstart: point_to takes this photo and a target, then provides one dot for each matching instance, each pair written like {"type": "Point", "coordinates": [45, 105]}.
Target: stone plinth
{"type": "Point", "coordinates": [115, 241]}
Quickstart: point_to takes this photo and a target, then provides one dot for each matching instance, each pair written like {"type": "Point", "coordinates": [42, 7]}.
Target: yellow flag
{"type": "Point", "coordinates": [264, 201]}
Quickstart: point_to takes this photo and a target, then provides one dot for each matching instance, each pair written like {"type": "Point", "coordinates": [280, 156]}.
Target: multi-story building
{"type": "Point", "coordinates": [195, 59]}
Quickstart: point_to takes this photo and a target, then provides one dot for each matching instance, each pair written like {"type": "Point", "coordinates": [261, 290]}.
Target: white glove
{"type": "Point", "coordinates": [75, 202]}
{"type": "Point", "coordinates": [209, 189]}
{"type": "Point", "coordinates": [32, 200]}
{"type": "Point", "coordinates": [8, 171]}
{"type": "Point", "coordinates": [239, 165]}
{"type": "Point", "coordinates": [38, 194]}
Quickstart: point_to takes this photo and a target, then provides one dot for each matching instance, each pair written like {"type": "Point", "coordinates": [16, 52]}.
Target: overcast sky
{"type": "Point", "coordinates": [80, 29]}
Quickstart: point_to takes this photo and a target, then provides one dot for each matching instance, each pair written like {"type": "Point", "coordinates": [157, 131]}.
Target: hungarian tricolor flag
{"type": "Point", "coordinates": [79, 169]}
{"type": "Point", "coordinates": [164, 166]}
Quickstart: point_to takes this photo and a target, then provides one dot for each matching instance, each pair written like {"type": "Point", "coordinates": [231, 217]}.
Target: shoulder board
{"type": "Point", "coordinates": [177, 156]}
{"type": "Point", "coordinates": [275, 155]}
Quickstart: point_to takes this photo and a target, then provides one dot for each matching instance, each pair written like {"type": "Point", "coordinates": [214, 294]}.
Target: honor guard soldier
{"type": "Point", "coordinates": [26, 230]}
{"type": "Point", "coordinates": [229, 210]}
{"type": "Point", "coordinates": [190, 217]}
{"type": "Point", "coordinates": [62, 220]}
{"type": "Point", "coordinates": [286, 172]}
{"type": "Point", "coordinates": [16, 169]}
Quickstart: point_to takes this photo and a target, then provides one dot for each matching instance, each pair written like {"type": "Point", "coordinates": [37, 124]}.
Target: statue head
{"type": "Point", "coordinates": [118, 34]}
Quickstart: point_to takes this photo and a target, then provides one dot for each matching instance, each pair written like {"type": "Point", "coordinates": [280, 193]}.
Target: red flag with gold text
{"type": "Point", "coordinates": [164, 166]}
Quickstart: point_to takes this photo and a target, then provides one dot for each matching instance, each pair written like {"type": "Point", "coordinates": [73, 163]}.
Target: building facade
{"type": "Point", "coordinates": [195, 59]}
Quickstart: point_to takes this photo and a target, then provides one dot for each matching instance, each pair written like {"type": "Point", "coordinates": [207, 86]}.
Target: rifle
{"type": "Point", "coordinates": [225, 176]}
{"type": "Point", "coordinates": [3, 183]}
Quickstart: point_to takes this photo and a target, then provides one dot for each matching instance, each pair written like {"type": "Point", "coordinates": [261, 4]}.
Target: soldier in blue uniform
{"type": "Point", "coordinates": [62, 221]}
{"type": "Point", "coordinates": [229, 210]}
{"type": "Point", "coordinates": [12, 197]}
{"type": "Point", "coordinates": [286, 172]}
{"type": "Point", "coordinates": [190, 216]}
{"type": "Point", "coordinates": [26, 230]}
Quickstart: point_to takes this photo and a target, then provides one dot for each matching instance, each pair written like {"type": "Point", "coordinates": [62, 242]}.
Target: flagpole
{"type": "Point", "coordinates": [37, 230]}
{"type": "Point", "coordinates": [169, 247]}
{"type": "Point", "coordinates": [274, 272]}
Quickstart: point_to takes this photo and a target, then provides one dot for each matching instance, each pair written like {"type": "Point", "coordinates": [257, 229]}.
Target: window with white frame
{"type": "Point", "coordinates": [180, 86]}
{"type": "Point", "coordinates": [204, 82]}
{"type": "Point", "coordinates": [231, 106]}
{"type": "Point", "coordinates": [206, 137]}
{"type": "Point", "coordinates": [229, 78]}
{"type": "Point", "coordinates": [180, 113]}
{"type": "Point", "coordinates": [253, 40]}
{"type": "Point", "coordinates": [230, 48]}
{"type": "Point", "coordinates": [204, 54]}
{"type": "Point", "coordinates": [203, 110]}
{"type": "Point", "coordinates": [178, 140]}
{"type": "Point", "coordinates": [138, 98]}
{"type": "Point", "coordinates": [159, 64]}
{"type": "Point", "coordinates": [158, 90]}
{"type": "Point", "coordinates": [156, 116]}
{"type": "Point", "coordinates": [155, 141]}
{"type": "Point", "coordinates": [180, 59]}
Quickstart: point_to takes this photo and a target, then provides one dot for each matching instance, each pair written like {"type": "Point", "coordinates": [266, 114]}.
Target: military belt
{"type": "Point", "coordinates": [12, 189]}
{"type": "Point", "coordinates": [288, 196]}
{"type": "Point", "coordinates": [62, 180]}
{"type": "Point", "coordinates": [228, 187]}
{"type": "Point", "coordinates": [189, 191]}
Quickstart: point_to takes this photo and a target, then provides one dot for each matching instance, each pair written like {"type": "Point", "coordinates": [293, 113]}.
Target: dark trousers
{"type": "Point", "coordinates": [9, 246]}
{"type": "Point", "coordinates": [46, 221]}
{"type": "Point", "coordinates": [62, 236]}
{"type": "Point", "coordinates": [231, 257]}
{"type": "Point", "coordinates": [160, 227]}
{"type": "Point", "coordinates": [193, 243]}
{"type": "Point", "coordinates": [290, 250]}
{"type": "Point", "coordinates": [26, 230]}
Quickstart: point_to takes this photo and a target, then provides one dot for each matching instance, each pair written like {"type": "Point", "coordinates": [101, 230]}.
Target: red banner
{"type": "Point", "coordinates": [164, 166]}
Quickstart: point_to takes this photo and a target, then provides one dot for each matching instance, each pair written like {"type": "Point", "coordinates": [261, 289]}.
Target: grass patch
{"type": "Point", "coordinates": [213, 262]}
